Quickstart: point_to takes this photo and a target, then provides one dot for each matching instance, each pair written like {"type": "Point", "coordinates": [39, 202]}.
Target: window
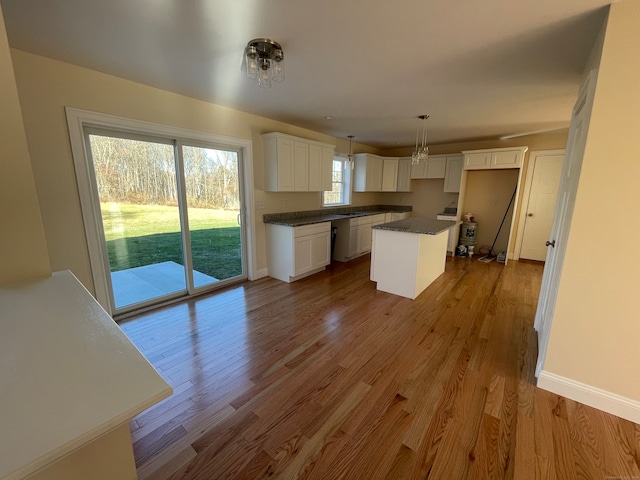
{"type": "Point", "coordinates": [340, 193]}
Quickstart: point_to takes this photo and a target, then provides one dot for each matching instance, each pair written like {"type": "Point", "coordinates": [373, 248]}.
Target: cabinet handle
{"type": "Point", "coordinates": [550, 244]}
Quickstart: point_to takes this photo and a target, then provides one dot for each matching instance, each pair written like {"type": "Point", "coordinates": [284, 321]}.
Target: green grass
{"type": "Point", "coordinates": [140, 235]}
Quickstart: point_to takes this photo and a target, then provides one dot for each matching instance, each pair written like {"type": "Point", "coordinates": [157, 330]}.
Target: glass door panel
{"type": "Point", "coordinates": [138, 193]}
{"type": "Point", "coordinates": [212, 192]}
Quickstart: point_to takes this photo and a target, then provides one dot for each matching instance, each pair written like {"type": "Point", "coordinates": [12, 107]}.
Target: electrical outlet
{"type": "Point", "coordinates": [261, 205]}
{"type": "Point", "coordinates": [285, 203]}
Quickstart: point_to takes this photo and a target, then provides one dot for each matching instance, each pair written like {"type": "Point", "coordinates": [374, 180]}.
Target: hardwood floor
{"type": "Point", "coordinates": [327, 378]}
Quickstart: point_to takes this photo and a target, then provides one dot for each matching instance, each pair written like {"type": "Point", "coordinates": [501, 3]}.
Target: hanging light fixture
{"type": "Point", "coordinates": [422, 152]}
{"type": "Point", "coordinates": [264, 61]}
{"type": "Point", "coordinates": [350, 155]}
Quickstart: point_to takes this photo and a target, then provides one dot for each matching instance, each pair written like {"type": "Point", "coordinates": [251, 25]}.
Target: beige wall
{"type": "Point", "coordinates": [595, 330]}
{"type": "Point", "coordinates": [23, 249]}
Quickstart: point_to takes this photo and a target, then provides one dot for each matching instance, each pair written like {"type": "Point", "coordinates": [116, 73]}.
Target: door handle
{"type": "Point", "coordinates": [239, 220]}
{"type": "Point", "coordinates": [550, 244]}
{"type": "Point", "coordinates": [529, 214]}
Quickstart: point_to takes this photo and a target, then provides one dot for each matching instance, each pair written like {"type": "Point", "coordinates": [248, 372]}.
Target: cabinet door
{"type": "Point", "coordinates": [364, 238]}
{"type": "Point", "coordinates": [419, 170]}
{"type": "Point", "coordinates": [301, 166]}
{"type": "Point", "coordinates": [285, 165]}
{"type": "Point", "coordinates": [404, 175]}
{"type": "Point", "coordinates": [315, 168]}
{"type": "Point", "coordinates": [321, 249]}
{"type": "Point", "coordinates": [303, 255]}
{"type": "Point", "coordinates": [389, 174]}
{"type": "Point", "coordinates": [436, 167]}
{"type": "Point", "coordinates": [477, 161]}
{"type": "Point", "coordinates": [453, 174]}
{"type": "Point", "coordinates": [327, 169]}
{"type": "Point", "coordinates": [354, 240]}
{"type": "Point", "coordinates": [374, 173]}
{"type": "Point", "coordinates": [506, 159]}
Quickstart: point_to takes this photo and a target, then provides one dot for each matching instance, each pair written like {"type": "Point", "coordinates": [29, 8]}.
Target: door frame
{"type": "Point", "coordinates": [77, 119]}
{"type": "Point", "coordinates": [528, 181]}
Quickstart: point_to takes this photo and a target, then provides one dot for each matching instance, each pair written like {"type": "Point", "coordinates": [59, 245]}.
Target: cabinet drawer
{"type": "Point", "coordinates": [366, 220]}
{"type": "Point", "coordinates": [311, 229]}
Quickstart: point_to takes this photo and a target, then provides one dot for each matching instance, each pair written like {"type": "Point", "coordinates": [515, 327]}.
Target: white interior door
{"type": "Point", "coordinates": [562, 218]}
{"type": "Point", "coordinates": [547, 169]}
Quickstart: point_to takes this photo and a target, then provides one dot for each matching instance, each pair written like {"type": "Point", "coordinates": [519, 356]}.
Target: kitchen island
{"type": "Point", "coordinates": [408, 255]}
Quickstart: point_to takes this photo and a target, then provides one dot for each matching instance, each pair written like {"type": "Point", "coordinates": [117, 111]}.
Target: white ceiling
{"type": "Point", "coordinates": [480, 69]}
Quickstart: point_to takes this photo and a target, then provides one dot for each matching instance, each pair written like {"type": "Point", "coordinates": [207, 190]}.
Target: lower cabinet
{"type": "Point", "coordinates": [353, 236]}
{"type": "Point", "coordinates": [393, 216]}
{"type": "Point", "coordinates": [297, 252]}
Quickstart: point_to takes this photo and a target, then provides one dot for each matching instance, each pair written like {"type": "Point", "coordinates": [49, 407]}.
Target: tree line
{"type": "Point", "coordinates": [144, 172]}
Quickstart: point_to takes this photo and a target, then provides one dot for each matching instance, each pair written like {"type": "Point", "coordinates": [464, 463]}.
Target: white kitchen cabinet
{"type": "Point", "coordinates": [419, 170]}
{"type": "Point", "coordinates": [453, 174]}
{"type": "Point", "coordinates": [394, 216]}
{"type": "Point", "coordinates": [353, 237]}
{"type": "Point", "coordinates": [510, 157]}
{"type": "Point", "coordinates": [404, 175]}
{"type": "Point", "coordinates": [315, 168]}
{"type": "Point", "coordinates": [367, 173]}
{"type": "Point", "coordinates": [433, 167]}
{"type": "Point", "coordinates": [300, 166]}
{"type": "Point", "coordinates": [297, 252]}
{"type": "Point", "coordinates": [436, 166]}
{"type": "Point", "coordinates": [294, 164]}
{"type": "Point", "coordinates": [389, 174]}
{"type": "Point", "coordinates": [279, 164]}
{"type": "Point", "coordinates": [326, 182]}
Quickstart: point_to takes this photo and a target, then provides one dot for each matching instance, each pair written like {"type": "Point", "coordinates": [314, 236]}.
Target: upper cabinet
{"type": "Point", "coordinates": [404, 175]}
{"type": "Point", "coordinates": [389, 174]}
{"type": "Point", "coordinates": [294, 164]}
{"type": "Point", "coordinates": [511, 157]}
{"type": "Point", "coordinates": [453, 174]}
{"type": "Point", "coordinates": [433, 167]}
{"type": "Point", "coordinates": [367, 173]}
{"type": "Point", "coordinates": [373, 173]}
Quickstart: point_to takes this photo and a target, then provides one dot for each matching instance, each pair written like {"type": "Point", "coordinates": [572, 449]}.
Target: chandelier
{"type": "Point", "coordinates": [264, 60]}
{"type": "Point", "coordinates": [422, 152]}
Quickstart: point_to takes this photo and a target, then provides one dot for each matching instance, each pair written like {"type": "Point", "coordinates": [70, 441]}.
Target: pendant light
{"type": "Point", "coordinates": [422, 152]}
{"type": "Point", "coordinates": [350, 155]}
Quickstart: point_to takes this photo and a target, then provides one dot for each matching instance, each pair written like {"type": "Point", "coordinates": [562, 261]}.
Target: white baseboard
{"type": "Point", "coordinates": [594, 397]}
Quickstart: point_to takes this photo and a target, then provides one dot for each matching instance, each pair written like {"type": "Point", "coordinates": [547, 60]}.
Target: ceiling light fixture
{"type": "Point", "coordinates": [350, 157]}
{"type": "Point", "coordinates": [264, 60]}
{"type": "Point", "coordinates": [421, 153]}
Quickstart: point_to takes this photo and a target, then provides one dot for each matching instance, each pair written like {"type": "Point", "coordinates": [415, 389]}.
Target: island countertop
{"type": "Point", "coordinates": [425, 226]}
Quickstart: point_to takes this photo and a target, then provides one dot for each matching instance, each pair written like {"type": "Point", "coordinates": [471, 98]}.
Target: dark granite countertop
{"type": "Point", "coordinates": [425, 226]}
{"type": "Point", "coordinates": [308, 217]}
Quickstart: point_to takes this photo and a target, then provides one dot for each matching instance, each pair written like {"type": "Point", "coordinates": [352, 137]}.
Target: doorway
{"type": "Point", "coordinates": [164, 213]}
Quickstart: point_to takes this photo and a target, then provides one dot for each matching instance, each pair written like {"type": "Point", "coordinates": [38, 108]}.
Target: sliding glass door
{"type": "Point", "coordinates": [212, 196]}
{"type": "Point", "coordinates": [170, 215]}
